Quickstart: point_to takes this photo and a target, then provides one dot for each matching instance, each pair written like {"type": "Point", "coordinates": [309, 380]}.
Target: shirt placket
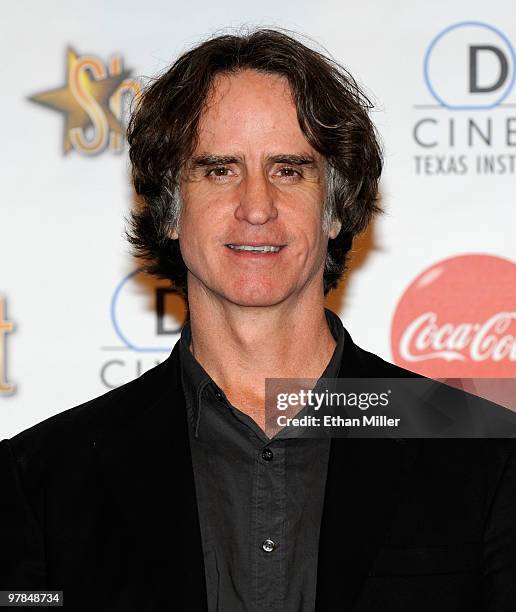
{"type": "Point", "coordinates": [267, 541]}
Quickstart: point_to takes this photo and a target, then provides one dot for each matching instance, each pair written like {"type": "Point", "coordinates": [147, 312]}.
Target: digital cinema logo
{"type": "Point", "coordinates": [6, 388]}
{"type": "Point", "coordinates": [92, 102]}
{"type": "Point", "coordinates": [147, 316]}
{"type": "Point", "coordinates": [469, 126]}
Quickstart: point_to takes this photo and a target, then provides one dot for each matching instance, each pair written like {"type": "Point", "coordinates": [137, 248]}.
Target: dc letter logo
{"type": "Point", "coordinates": [147, 314]}
{"type": "Point", "coordinates": [470, 65]}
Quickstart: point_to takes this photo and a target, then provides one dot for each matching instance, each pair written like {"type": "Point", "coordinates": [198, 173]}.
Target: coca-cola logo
{"type": "Point", "coordinates": [458, 319]}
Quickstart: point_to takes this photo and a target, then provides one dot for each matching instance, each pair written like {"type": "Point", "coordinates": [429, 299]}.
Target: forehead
{"type": "Point", "coordinates": [250, 109]}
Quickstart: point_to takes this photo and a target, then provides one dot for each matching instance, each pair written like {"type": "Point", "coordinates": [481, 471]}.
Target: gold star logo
{"type": "Point", "coordinates": [5, 327]}
{"type": "Point", "coordinates": [91, 102]}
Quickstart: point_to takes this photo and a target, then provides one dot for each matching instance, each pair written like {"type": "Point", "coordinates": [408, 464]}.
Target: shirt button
{"type": "Point", "coordinates": [218, 394]}
{"type": "Point", "coordinates": [267, 454]}
{"type": "Point", "coordinates": [268, 546]}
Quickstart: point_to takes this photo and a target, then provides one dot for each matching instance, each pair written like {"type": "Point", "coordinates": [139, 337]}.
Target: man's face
{"type": "Point", "coordinates": [251, 224]}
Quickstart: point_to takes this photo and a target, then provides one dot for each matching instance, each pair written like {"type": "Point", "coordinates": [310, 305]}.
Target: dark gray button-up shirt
{"type": "Point", "coordinates": [260, 500]}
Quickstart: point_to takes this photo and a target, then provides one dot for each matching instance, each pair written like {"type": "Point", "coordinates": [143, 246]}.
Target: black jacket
{"type": "Point", "coordinates": [99, 502]}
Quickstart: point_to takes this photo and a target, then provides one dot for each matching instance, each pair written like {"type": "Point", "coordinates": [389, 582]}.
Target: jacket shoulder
{"type": "Point", "coordinates": [84, 424]}
{"type": "Point", "coordinates": [369, 365]}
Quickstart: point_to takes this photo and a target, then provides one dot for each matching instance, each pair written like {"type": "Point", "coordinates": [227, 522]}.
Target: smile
{"type": "Point", "coordinates": [265, 248]}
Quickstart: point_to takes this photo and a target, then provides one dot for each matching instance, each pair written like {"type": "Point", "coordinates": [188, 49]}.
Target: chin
{"type": "Point", "coordinates": [254, 294]}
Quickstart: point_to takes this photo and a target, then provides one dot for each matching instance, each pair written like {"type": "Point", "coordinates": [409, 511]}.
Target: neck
{"type": "Point", "coordinates": [239, 347]}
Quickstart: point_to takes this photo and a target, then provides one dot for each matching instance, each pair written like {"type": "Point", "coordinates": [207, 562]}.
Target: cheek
{"type": "Point", "coordinates": [190, 236]}
{"type": "Point", "coordinates": [200, 235]}
{"type": "Point", "coordinates": [192, 215]}
{"type": "Point", "coordinates": [204, 211]}
{"type": "Point", "coordinates": [306, 225]}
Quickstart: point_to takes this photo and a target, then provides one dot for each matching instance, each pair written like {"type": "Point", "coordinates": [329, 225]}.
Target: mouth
{"type": "Point", "coordinates": [256, 248]}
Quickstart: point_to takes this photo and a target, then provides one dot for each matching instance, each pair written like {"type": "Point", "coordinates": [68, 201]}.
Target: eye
{"type": "Point", "coordinates": [288, 174]}
{"type": "Point", "coordinates": [220, 174]}
{"type": "Point", "coordinates": [218, 171]}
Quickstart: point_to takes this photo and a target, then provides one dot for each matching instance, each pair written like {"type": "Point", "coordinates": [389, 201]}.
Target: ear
{"type": "Point", "coordinates": [335, 229]}
{"type": "Point", "coordinates": [174, 234]}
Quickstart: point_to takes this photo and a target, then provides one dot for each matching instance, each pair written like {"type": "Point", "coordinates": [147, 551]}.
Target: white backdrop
{"type": "Point", "coordinates": [75, 320]}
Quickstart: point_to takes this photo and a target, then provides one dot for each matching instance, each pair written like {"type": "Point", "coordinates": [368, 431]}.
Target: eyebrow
{"type": "Point", "coordinates": [221, 160]}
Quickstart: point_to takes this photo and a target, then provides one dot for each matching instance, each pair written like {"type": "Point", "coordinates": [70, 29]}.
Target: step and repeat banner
{"type": "Point", "coordinates": [432, 283]}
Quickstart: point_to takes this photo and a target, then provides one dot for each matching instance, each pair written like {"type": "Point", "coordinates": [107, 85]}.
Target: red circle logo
{"type": "Point", "coordinates": [458, 320]}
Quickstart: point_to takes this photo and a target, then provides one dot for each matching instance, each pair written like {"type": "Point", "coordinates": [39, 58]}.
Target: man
{"type": "Point", "coordinates": [256, 163]}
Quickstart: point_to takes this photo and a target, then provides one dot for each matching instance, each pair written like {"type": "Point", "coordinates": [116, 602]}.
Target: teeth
{"type": "Point", "coordinates": [260, 249]}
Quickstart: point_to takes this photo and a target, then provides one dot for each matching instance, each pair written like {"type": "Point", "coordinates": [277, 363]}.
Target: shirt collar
{"type": "Point", "coordinates": [196, 380]}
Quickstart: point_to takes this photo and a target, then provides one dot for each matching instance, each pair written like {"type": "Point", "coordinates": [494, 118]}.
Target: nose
{"type": "Point", "coordinates": [256, 205]}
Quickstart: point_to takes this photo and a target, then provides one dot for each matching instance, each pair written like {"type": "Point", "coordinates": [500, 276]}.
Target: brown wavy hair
{"type": "Point", "coordinates": [333, 114]}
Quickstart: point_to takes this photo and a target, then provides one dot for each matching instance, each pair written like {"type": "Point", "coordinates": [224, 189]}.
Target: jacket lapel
{"type": "Point", "coordinates": [365, 480]}
{"type": "Point", "coordinates": [364, 484]}
{"type": "Point", "coordinates": [146, 513]}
